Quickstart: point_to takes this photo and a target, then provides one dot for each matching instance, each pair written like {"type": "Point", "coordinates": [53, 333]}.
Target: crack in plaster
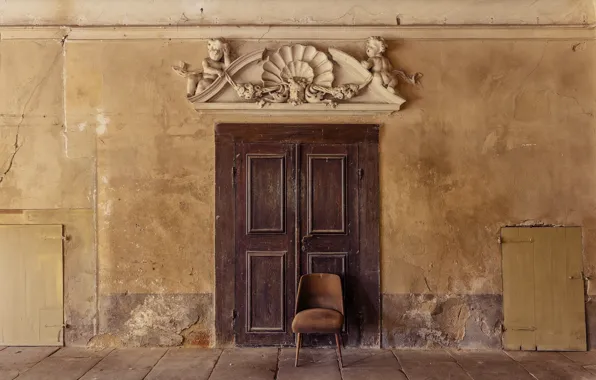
{"type": "Point", "coordinates": [16, 145]}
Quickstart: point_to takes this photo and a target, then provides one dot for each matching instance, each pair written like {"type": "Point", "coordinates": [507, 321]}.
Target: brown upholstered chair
{"type": "Point", "coordinates": [319, 308]}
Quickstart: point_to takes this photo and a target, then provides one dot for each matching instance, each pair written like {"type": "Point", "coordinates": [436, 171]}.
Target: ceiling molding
{"type": "Point", "coordinates": [305, 33]}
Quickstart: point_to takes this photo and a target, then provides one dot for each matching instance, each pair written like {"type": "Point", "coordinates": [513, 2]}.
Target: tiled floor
{"type": "Point", "coordinates": [40, 363]}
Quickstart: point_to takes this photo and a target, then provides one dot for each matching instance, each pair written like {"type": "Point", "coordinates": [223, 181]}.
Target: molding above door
{"type": "Point", "coordinates": [296, 79]}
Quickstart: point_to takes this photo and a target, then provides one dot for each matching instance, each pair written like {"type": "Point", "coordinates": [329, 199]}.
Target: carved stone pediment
{"type": "Point", "coordinates": [295, 78]}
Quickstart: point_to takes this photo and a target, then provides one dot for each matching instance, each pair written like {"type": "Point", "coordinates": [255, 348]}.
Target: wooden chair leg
{"type": "Point", "coordinates": [298, 344]}
{"type": "Point", "coordinates": [338, 342]}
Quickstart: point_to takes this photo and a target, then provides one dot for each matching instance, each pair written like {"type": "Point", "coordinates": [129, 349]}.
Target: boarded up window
{"type": "Point", "coordinates": [543, 289]}
{"type": "Point", "coordinates": [31, 302]}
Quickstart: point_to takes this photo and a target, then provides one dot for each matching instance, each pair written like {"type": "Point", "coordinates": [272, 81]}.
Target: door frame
{"type": "Point", "coordinates": [226, 136]}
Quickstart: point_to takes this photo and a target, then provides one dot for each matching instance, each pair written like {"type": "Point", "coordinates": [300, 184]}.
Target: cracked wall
{"type": "Point", "coordinates": [39, 183]}
{"type": "Point", "coordinates": [285, 12]}
{"type": "Point", "coordinates": [503, 134]}
{"type": "Point", "coordinates": [500, 132]}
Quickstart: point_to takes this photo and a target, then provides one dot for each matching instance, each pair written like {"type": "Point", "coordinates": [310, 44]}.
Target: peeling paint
{"type": "Point", "coordinates": [159, 319]}
{"type": "Point", "coordinates": [102, 123]}
{"type": "Point", "coordinates": [428, 321]}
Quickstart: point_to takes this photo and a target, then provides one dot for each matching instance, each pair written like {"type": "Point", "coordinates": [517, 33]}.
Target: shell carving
{"type": "Point", "coordinates": [298, 62]}
{"type": "Point", "coordinates": [297, 74]}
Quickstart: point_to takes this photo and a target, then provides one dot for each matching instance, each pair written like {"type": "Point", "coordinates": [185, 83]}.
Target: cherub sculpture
{"type": "Point", "coordinates": [214, 67]}
{"type": "Point", "coordinates": [380, 66]}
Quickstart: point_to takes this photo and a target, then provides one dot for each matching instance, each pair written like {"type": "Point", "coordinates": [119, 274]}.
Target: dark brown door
{"type": "Point", "coordinates": [329, 222]}
{"type": "Point", "coordinates": [265, 233]}
{"type": "Point", "coordinates": [301, 199]}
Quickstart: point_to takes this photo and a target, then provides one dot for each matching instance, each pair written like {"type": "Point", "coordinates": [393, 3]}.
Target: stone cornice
{"type": "Point", "coordinates": [306, 33]}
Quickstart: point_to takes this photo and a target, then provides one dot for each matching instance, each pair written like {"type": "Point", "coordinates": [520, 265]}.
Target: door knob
{"type": "Point", "coordinates": [304, 241]}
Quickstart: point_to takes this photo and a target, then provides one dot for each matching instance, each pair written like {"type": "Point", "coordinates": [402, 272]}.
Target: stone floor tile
{"type": "Point", "coordinates": [246, 364]}
{"type": "Point", "coordinates": [81, 352]}
{"type": "Point", "coordinates": [33, 363]}
{"type": "Point", "coordinates": [15, 360]}
{"type": "Point", "coordinates": [185, 364]}
{"type": "Point", "coordinates": [534, 356]}
{"type": "Point", "coordinates": [66, 364]}
{"type": "Point", "coordinates": [126, 364]}
{"type": "Point", "coordinates": [591, 369]}
{"type": "Point", "coordinates": [314, 363]}
{"type": "Point", "coordinates": [490, 365]}
{"type": "Point", "coordinates": [443, 370]}
{"type": "Point", "coordinates": [364, 364]}
{"type": "Point", "coordinates": [364, 358]}
{"type": "Point", "coordinates": [550, 366]}
{"type": "Point", "coordinates": [423, 356]}
{"type": "Point", "coordinates": [430, 365]}
{"type": "Point", "coordinates": [583, 358]}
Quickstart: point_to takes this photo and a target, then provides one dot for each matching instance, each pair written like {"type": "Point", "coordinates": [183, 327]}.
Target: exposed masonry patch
{"type": "Point", "coordinates": [427, 321]}
{"type": "Point", "coordinates": [156, 320]}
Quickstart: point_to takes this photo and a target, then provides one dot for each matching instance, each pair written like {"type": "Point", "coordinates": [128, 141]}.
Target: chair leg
{"type": "Point", "coordinates": [338, 342]}
{"type": "Point", "coordinates": [298, 344]}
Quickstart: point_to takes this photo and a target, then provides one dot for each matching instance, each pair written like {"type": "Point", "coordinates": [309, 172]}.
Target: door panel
{"type": "Point", "coordinates": [265, 186]}
{"type": "Point", "coordinates": [266, 292]}
{"type": "Point", "coordinates": [326, 193]}
{"type": "Point", "coordinates": [265, 270]}
{"type": "Point", "coordinates": [329, 200]}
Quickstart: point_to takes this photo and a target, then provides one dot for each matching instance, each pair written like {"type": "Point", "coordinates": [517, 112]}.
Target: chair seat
{"type": "Point", "coordinates": [317, 321]}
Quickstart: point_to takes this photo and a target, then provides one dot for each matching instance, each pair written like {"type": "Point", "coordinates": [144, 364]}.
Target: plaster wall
{"type": "Point", "coordinates": [501, 132]}
{"type": "Point", "coordinates": [290, 12]}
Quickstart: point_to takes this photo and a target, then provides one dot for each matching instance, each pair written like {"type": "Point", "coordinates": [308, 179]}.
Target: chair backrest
{"type": "Point", "coordinates": [320, 290]}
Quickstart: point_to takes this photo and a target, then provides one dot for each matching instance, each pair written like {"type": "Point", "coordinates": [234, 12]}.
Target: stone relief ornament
{"type": "Point", "coordinates": [213, 67]}
{"type": "Point", "coordinates": [297, 76]}
{"type": "Point", "coordinates": [381, 68]}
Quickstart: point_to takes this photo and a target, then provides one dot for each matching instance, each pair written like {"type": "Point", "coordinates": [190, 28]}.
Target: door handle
{"type": "Point", "coordinates": [304, 240]}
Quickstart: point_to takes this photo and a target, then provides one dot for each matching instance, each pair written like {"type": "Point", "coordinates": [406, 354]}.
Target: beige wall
{"type": "Point", "coordinates": [289, 12]}
{"type": "Point", "coordinates": [501, 132]}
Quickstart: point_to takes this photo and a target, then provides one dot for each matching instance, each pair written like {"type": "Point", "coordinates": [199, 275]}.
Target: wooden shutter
{"type": "Point", "coordinates": [31, 294]}
{"type": "Point", "coordinates": [543, 289]}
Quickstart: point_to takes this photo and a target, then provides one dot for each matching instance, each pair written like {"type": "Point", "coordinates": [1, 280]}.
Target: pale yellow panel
{"type": "Point", "coordinates": [547, 272]}
{"type": "Point", "coordinates": [31, 285]}
{"type": "Point", "coordinates": [555, 302]}
{"type": "Point", "coordinates": [559, 291]}
{"type": "Point", "coordinates": [574, 302]}
{"type": "Point", "coordinates": [518, 289]}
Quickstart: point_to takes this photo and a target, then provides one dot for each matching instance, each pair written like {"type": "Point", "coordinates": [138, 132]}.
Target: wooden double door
{"type": "Point", "coordinates": [300, 207]}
